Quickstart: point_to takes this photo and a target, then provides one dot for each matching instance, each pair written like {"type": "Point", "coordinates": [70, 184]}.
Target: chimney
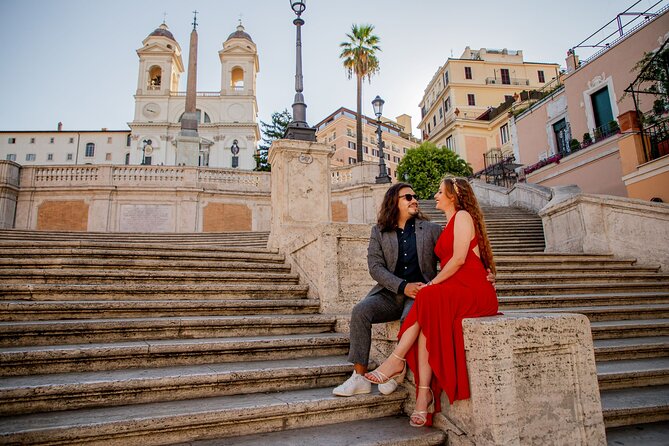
{"type": "Point", "coordinates": [60, 126]}
{"type": "Point", "coordinates": [572, 61]}
{"type": "Point", "coordinates": [405, 122]}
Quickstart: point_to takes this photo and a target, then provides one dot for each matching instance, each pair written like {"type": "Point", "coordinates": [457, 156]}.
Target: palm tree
{"type": "Point", "coordinates": [359, 55]}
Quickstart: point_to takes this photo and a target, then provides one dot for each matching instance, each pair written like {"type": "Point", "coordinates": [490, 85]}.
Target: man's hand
{"type": "Point", "coordinates": [491, 278]}
{"type": "Point", "coordinates": [413, 288]}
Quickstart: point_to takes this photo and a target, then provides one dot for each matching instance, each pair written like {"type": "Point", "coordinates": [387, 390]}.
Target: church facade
{"type": "Point", "coordinates": [227, 127]}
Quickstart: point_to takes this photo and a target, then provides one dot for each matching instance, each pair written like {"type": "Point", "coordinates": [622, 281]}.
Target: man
{"type": "Point", "coordinates": [401, 259]}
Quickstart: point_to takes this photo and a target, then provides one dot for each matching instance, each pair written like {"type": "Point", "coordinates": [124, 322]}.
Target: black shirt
{"type": "Point", "coordinates": [407, 267]}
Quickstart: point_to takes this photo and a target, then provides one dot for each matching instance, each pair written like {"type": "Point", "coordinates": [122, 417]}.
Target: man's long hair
{"type": "Point", "coordinates": [389, 212]}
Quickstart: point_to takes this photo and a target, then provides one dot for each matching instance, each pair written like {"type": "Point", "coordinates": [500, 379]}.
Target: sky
{"type": "Point", "coordinates": [75, 61]}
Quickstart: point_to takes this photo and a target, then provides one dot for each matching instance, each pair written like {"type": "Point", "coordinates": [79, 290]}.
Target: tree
{"type": "Point", "coordinates": [272, 131]}
{"type": "Point", "coordinates": [359, 56]}
{"type": "Point", "coordinates": [425, 166]}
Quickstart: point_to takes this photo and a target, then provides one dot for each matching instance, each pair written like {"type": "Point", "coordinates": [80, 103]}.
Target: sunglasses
{"type": "Point", "coordinates": [409, 197]}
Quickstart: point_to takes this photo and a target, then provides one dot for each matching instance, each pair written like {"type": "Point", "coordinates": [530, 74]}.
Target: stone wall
{"type": "Point", "coordinates": [600, 224]}
{"type": "Point", "coordinates": [109, 198]}
{"type": "Point", "coordinates": [523, 195]}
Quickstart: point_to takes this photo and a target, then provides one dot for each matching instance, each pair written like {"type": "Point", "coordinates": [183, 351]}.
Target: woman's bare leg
{"type": "Point", "coordinates": [424, 396]}
{"type": "Point", "coordinates": [393, 365]}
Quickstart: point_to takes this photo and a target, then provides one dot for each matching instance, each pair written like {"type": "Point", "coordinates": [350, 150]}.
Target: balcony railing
{"type": "Point", "coordinates": [657, 137]}
{"type": "Point", "coordinates": [510, 81]}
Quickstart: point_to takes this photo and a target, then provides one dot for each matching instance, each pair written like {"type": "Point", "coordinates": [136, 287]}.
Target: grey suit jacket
{"type": "Point", "coordinates": [383, 251]}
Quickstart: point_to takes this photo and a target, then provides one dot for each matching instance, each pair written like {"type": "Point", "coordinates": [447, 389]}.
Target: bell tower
{"type": "Point", "coordinates": [160, 63]}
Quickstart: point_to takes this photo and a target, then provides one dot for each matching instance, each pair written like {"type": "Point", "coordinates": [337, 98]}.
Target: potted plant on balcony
{"type": "Point", "coordinates": [614, 127]}
{"type": "Point", "coordinates": [587, 140]}
{"type": "Point", "coordinates": [574, 145]}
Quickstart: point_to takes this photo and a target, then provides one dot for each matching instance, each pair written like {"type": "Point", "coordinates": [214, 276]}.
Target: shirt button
{"type": "Point", "coordinates": [405, 253]}
{"type": "Point", "coordinates": [405, 267]}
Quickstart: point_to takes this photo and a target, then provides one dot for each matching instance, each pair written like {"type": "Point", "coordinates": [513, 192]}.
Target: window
{"type": "Point", "coordinates": [235, 161]}
{"type": "Point", "coordinates": [506, 79]}
{"type": "Point", "coordinates": [447, 104]}
{"type": "Point", "coordinates": [11, 140]}
{"type": "Point", "coordinates": [128, 139]}
{"type": "Point", "coordinates": [127, 159]}
{"type": "Point", "coordinates": [349, 132]}
{"type": "Point", "coordinates": [390, 172]}
{"type": "Point", "coordinates": [445, 78]}
{"type": "Point", "coordinates": [108, 156]}
{"type": "Point", "coordinates": [351, 160]}
{"type": "Point", "coordinates": [52, 140]}
{"type": "Point", "coordinates": [542, 78]}
{"type": "Point", "coordinates": [561, 132]}
{"type": "Point", "coordinates": [69, 157]}
{"type": "Point", "coordinates": [30, 157]}
{"type": "Point", "coordinates": [508, 98]}
{"type": "Point", "coordinates": [471, 99]}
{"type": "Point", "coordinates": [237, 79]}
{"type": "Point", "coordinates": [449, 143]}
{"type": "Point", "coordinates": [71, 140]}
{"type": "Point", "coordinates": [468, 72]}
{"type": "Point", "coordinates": [504, 133]}
{"type": "Point", "coordinates": [375, 152]}
{"type": "Point", "coordinates": [441, 113]}
{"type": "Point", "coordinates": [429, 129]}
{"type": "Point", "coordinates": [32, 140]}
{"type": "Point", "coordinates": [109, 140]}
{"type": "Point", "coordinates": [434, 120]}
{"type": "Point", "coordinates": [405, 150]}
{"type": "Point", "coordinates": [365, 149]}
{"type": "Point", "coordinates": [90, 150]}
{"type": "Point", "coordinates": [351, 145]}
{"type": "Point", "coordinates": [11, 157]}
{"type": "Point", "coordinates": [396, 159]}
{"type": "Point", "coordinates": [601, 107]}
{"type": "Point", "coordinates": [387, 156]}
{"type": "Point", "coordinates": [49, 156]}
{"type": "Point", "coordinates": [147, 161]}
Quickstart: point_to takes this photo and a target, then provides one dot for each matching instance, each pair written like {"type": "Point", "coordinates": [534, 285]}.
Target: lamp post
{"type": "Point", "coordinates": [235, 151]}
{"type": "Point", "coordinates": [298, 128]}
{"type": "Point", "coordinates": [383, 177]}
{"type": "Point", "coordinates": [146, 143]}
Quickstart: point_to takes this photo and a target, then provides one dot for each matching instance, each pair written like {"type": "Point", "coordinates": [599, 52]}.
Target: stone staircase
{"type": "Point", "coordinates": [628, 308]}
{"type": "Point", "coordinates": [173, 339]}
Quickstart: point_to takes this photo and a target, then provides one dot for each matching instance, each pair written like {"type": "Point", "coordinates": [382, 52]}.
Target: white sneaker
{"type": "Point", "coordinates": [355, 385]}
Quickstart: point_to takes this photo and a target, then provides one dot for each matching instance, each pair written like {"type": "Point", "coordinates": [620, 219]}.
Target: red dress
{"type": "Point", "coordinates": [439, 310]}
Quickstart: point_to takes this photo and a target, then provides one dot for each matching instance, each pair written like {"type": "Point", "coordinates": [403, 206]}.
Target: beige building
{"type": "Point", "coordinates": [338, 132]}
{"type": "Point", "coordinates": [226, 116]}
{"type": "Point", "coordinates": [455, 110]}
{"type": "Point", "coordinates": [587, 132]}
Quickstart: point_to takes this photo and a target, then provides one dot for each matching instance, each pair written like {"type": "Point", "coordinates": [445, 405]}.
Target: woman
{"type": "Point", "coordinates": [431, 337]}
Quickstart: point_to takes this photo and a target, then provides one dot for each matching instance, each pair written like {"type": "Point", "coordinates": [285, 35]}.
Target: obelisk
{"type": "Point", "coordinates": [188, 141]}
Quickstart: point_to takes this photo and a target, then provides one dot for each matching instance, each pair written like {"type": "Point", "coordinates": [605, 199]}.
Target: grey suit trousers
{"type": "Point", "coordinates": [382, 306]}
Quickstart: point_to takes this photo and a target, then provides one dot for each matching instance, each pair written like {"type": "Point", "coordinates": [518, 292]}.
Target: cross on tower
{"type": "Point", "coordinates": [194, 19]}
{"type": "Point", "coordinates": [164, 17]}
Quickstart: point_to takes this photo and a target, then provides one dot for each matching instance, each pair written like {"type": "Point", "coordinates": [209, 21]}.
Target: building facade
{"type": "Point", "coordinates": [463, 90]}
{"type": "Point", "coordinates": [588, 131]}
{"type": "Point", "coordinates": [228, 118]}
{"type": "Point", "coordinates": [338, 132]}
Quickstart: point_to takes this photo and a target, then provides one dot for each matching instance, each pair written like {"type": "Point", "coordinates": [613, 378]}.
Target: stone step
{"type": "Point", "coordinates": [67, 391]}
{"type": "Point", "coordinates": [633, 373]}
{"type": "Point", "coordinates": [77, 331]}
{"type": "Point", "coordinates": [655, 346]}
{"type": "Point", "coordinates": [650, 434]}
{"type": "Point", "coordinates": [17, 361]}
{"type": "Point", "coordinates": [630, 328]}
{"type": "Point", "coordinates": [570, 300]}
{"type": "Point", "coordinates": [388, 431]}
{"type": "Point", "coordinates": [163, 276]}
{"type": "Point", "coordinates": [176, 239]}
{"type": "Point", "coordinates": [612, 312]}
{"type": "Point", "coordinates": [23, 234]}
{"type": "Point", "coordinates": [574, 277]}
{"type": "Point", "coordinates": [151, 291]}
{"type": "Point", "coordinates": [569, 268]}
{"type": "Point", "coordinates": [86, 263]}
{"type": "Point", "coordinates": [60, 309]}
{"type": "Point", "coordinates": [162, 253]}
{"type": "Point", "coordinates": [196, 419]}
{"type": "Point", "coordinates": [639, 405]}
{"type": "Point", "coordinates": [578, 288]}
{"type": "Point", "coordinates": [561, 258]}
{"type": "Point", "coordinates": [129, 247]}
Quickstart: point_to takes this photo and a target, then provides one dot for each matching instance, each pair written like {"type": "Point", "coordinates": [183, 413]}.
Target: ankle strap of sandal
{"type": "Point", "coordinates": [424, 387]}
{"type": "Point", "coordinates": [401, 359]}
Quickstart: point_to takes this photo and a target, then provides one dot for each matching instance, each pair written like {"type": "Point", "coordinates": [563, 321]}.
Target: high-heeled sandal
{"type": "Point", "coordinates": [422, 415]}
{"type": "Point", "coordinates": [376, 377]}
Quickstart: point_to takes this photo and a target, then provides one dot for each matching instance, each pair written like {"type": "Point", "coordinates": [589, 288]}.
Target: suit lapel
{"type": "Point", "coordinates": [390, 242]}
{"type": "Point", "coordinates": [419, 242]}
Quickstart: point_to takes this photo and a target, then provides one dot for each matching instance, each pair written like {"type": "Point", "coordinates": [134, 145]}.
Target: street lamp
{"type": "Point", "coordinates": [146, 146]}
{"type": "Point", "coordinates": [298, 128]}
{"type": "Point", "coordinates": [235, 151]}
{"type": "Point", "coordinates": [383, 177]}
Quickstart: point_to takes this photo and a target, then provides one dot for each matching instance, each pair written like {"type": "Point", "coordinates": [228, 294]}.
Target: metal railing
{"type": "Point", "coordinates": [510, 81]}
{"type": "Point", "coordinates": [657, 138]}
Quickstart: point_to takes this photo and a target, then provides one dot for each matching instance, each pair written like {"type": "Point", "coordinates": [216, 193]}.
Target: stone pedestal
{"type": "Point", "coordinates": [300, 188]}
{"type": "Point", "coordinates": [533, 382]}
{"type": "Point", "coordinates": [188, 150]}
{"type": "Point", "coordinates": [9, 191]}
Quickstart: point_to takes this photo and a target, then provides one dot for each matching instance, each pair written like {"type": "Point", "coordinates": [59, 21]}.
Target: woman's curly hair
{"type": "Point", "coordinates": [389, 212]}
{"type": "Point", "coordinates": [466, 199]}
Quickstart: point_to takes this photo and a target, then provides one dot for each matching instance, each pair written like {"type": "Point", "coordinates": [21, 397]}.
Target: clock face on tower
{"type": "Point", "coordinates": [151, 110]}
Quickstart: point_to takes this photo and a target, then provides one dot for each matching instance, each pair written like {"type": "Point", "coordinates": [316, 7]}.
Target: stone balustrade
{"type": "Point", "coordinates": [9, 190]}
{"type": "Point", "coordinates": [524, 195]}
{"type": "Point", "coordinates": [231, 180]}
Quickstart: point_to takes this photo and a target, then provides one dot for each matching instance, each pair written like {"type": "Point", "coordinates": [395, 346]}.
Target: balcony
{"type": "Point", "coordinates": [510, 81]}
